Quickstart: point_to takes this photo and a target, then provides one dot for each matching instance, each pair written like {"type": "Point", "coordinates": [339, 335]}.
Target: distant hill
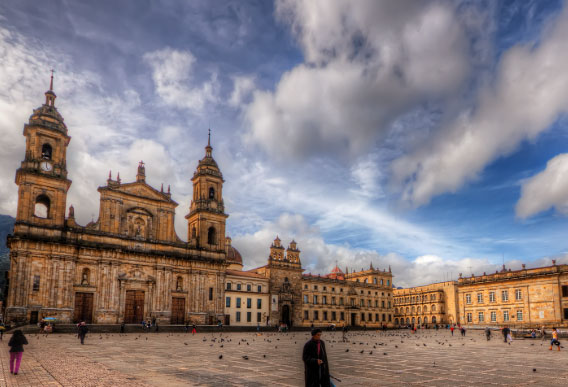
{"type": "Point", "coordinates": [6, 227]}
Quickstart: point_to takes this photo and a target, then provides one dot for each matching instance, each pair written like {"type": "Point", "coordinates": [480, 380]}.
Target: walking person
{"type": "Point", "coordinates": [316, 367]}
{"type": "Point", "coordinates": [83, 331]}
{"type": "Point", "coordinates": [488, 333]}
{"type": "Point", "coordinates": [186, 327]}
{"type": "Point", "coordinates": [452, 330]}
{"type": "Point", "coordinates": [193, 329]}
{"type": "Point", "coordinates": [462, 331]}
{"type": "Point", "coordinates": [122, 326]}
{"type": "Point", "coordinates": [2, 329]}
{"type": "Point", "coordinates": [554, 340]}
{"type": "Point", "coordinates": [16, 343]}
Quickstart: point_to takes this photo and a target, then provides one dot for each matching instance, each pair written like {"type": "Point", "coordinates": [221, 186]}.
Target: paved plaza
{"type": "Point", "coordinates": [368, 359]}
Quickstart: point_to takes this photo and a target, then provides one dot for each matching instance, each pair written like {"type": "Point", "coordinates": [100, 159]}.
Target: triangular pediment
{"type": "Point", "coordinates": [141, 189]}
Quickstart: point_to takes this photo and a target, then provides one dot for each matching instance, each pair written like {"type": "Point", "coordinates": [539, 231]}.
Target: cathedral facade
{"type": "Point", "coordinates": [128, 265]}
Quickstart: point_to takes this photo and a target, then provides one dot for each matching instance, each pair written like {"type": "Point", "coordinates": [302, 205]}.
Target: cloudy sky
{"type": "Point", "coordinates": [429, 136]}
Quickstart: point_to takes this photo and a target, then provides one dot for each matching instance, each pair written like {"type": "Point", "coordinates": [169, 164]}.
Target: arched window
{"type": "Point", "coordinates": [413, 310]}
{"type": "Point", "coordinates": [396, 310]}
{"type": "Point", "coordinates": [413, 320]}
{"type": "Point", "coordinates": [425, 320]}
{"type": "Point", "coordinates": [41, 209]}
{"type": "Point", "coordinates": [365, 280]}
{"type": "Point", "coordinates": [419, 310]}
{"type": "Point", "coordinates": [46, 152]}
{"type": "Point", "coordinates": [381, 282]}
{"type": "Point", "coordinates": [425, 308]}
{"type": "Point", "coordinates": [433, 319]}
{"type": "Point", "coordinates": [419, 320]}
{"type": "Point", "coordinates": [193, 233]}
{"type": "Point", "coordinates": [407, 320]}
{"type": "Point", "coordinates": [407, 310]}
{"type": "Point", "coordinates": [211, 193]}
{"type": "Point", "coordinates": [433, 308]}
{"type": "Point", "coordinates": [179, 284]}
{"type": "Point", "coordinates": [85, 276]}
{"type": "Point", "coordinates": [212, 236]}
{"type": "Point", "coordinates": [395, 321]}
{"type": "Point", "coordinates": [375, 280]}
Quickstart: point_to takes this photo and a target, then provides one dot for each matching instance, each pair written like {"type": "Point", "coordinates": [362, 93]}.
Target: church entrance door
{"type": "Point", "coordinates": [286, 315]}
{"type": "Point", "coordinates": [178, 310]}
{"type": "Point", "coordinates": [134, 307]}
{"type": "Point", "coordinates": [353, 319]}
{"type": "Point", "coordinates": [83, 308]}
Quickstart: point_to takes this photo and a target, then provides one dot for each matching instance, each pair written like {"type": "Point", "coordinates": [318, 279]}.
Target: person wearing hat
{"type": "Point", "coordinates": [315, 361]}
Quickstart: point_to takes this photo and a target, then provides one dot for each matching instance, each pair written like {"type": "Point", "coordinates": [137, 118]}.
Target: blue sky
{"type": "Point", "coordinates": [428, 136]}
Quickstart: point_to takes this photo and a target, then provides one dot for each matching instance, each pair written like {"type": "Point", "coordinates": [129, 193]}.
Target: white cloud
{"type": "Point", "coordinates": [243, 86]}
{"type": "Point", "coordinates": [529, 92]}
{"type": "Point", "coordinates": [366, 63]}
{"type": "Point", "coordinates": [173, 75]}
{"type": "Point", "coordinates": [546, 189]}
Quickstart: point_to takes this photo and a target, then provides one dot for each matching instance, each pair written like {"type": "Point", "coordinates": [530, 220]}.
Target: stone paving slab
{"type": "Point", "coordinates": [369, 358]}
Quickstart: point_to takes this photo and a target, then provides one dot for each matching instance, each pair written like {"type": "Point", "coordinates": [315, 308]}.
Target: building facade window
{"type": "Point", "coordinates": [259, 288]}
{"type": "Point", "coordinates": [469, 319]}
{"type": "Point", "coordinates": [468, 298]}
{"type": "Point", "coordinates": [342, 315]}
{"type": "Point", "coordinates": [306, 299]}
{"type": "Point", "coordinates": [238, 302]}
{"type": "Point", "coordinates": [519, 315]}
{"type": "Point", "coordinates": [518, 295]}
{"type": "Point", "coordinates": [324, 300]}
{"type": "Point", "coordinates": [259, 303]}
{"type": "Point", "coordinates": [493, 316]}
{"type": "Point", "coordinates": [36, 283]}
{"type": "Point", "coordinates": [249, 303]}
{"type": "Point", "coordinates": [480, 298]}
{"type": "Point", "coordinates": [238, 317]}
{"type": "Point", "coordinates": [333, 316]}
{"type": "Point", "coordinates": [228, 302]}
{"type": "Point", "coordinates": [316, 315]}
{"type": "Point", "coordinates": [504, 295]}
{"type": "Point", "coordinates": [210, 294]}
{"type": "Point", "coordinates": [239, 287]}
{"type": "Point", "coordinates": [258, 317]}
{"type": "Point", "coordinates": [505, 315]}
{"type": "Point", "coordinates": [481, 317]}
{"type": "Point", "coordinates": [325, 315]}
{"type": "Point", "coordinates": [249, 288]}
{"type": "Point", "coordinates": [491, 296]}
{"type": "Point", "coordinates": [228, 286]}
{"type": "Point", "coordinates": [306, 315]}
{"type": "Point", "coordinates": [249, 317]}
{"type": "Point", "coordinates": [565, 291]}
{"type": "Point", "coordinates": [315, 299]}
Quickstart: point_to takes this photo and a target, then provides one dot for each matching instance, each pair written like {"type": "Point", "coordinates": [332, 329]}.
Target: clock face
{"type": "Point", "coordinates": [46, 166]}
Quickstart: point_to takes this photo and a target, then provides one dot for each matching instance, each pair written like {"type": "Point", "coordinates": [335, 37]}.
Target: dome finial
{"type": "Point", "coordinates": [208, 148]}
{"type": "Point", "coordinates": [50, 95]}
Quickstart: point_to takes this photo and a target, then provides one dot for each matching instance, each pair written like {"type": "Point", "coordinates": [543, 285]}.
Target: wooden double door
{"type": "Point", "coordinates": [134, 307]}
{"type": "Point", "coordinates": [83, 308]}
{"type": "Point", "coordinates": [178, 310]}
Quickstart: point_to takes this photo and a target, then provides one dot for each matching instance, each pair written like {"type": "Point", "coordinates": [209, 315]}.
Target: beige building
{"type": "Point", "coordinates": [247, 297]}
{"type": "Point", "coordinates": [128, 265]}
{"type": "Point", "coordinates": [426, 305]}
{"type": "Point", "coordinates": [358, 298]}
{"type": "Point", "coordinates": [520, 298]}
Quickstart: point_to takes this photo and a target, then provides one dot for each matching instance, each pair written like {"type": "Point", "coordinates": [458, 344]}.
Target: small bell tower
{"type": "Point", "coordinates": [42, 177]}
{"type": "Point", "coordinates": [206, 218]}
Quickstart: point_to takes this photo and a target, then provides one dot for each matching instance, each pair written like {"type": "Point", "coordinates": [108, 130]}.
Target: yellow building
{"type": "Point", "coordinates": [426, 305]}
{"type": "Point", "coordinates": [519, 298]}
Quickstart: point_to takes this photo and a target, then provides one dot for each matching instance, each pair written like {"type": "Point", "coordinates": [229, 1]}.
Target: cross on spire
{"type": "Point", "coordinates": [51, 82]}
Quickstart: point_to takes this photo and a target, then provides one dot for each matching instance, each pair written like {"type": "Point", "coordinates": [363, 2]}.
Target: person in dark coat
{"type": "Point", "coordinates": [316, 366]}
{"type": "Point", "coordinates": [16, 343]}
{"type": "Point", "coordinates": [122, 326]}
{"type": "Point", "coordinates": [506, 332]}
{"type": "Point", "coordinates": [83, 331]}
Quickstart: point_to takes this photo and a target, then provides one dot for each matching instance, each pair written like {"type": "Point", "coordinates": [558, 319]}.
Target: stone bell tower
{"type": "Point", "coordinates": [42, 177]}
{"type": "Point", "coordinates": [206, 218]}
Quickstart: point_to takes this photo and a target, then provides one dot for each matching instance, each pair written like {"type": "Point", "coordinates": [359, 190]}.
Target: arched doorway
{"type": "Point", "coordinates": [286, 314]}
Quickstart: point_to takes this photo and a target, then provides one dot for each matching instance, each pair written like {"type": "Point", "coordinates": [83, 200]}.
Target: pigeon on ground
{"type": "Point", "coordinates": [220, 356]}
{"type": "Point", "coordinates": [245, 357]}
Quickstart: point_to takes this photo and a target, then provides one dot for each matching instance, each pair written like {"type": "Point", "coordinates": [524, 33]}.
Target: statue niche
{"type": "Point", "coordinates": [139, 224]}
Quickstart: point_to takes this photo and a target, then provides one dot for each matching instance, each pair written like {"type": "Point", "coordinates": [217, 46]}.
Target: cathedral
{"type": "Point", "coordinates": [129, 265]}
